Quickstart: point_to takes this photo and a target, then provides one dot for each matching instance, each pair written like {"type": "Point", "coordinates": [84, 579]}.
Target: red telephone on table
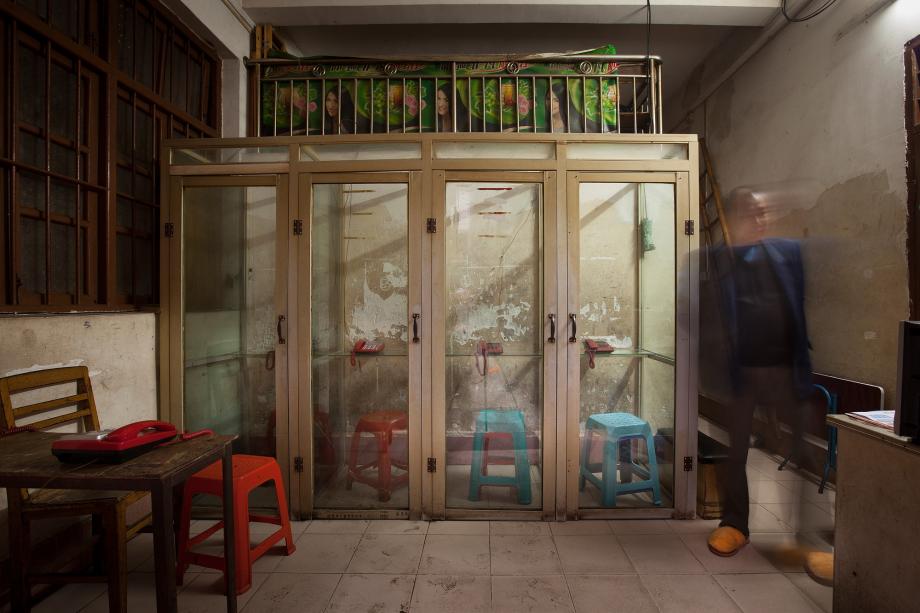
{"type": "Point", "coordinates": [362, 345]}
{"type": "Point", "coordinates": [485, 349]}
{"type": "Point", "coordinates": [114, 446]}
{"type": "Point", "coordinates": [597, 347]}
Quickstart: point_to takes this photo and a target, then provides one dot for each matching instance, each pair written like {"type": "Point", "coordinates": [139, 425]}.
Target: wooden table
{"type": "Point", "coordinates": [26, 462]}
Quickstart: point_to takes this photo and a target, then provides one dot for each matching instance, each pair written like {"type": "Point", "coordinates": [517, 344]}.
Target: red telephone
{"type": "Point", "coordinates": [485, 349]}
{"type": "Point", "coordinates": [114, 446]}
{"type": "Point", "coordinates": [362, 345]}
{"type": "Point", "coordinates": [597, 347]}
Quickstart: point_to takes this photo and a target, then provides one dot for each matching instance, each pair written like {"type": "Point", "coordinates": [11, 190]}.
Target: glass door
{"type": "Point", "coordinates": [626, 414]}
{"type": "Point", "coordinates": [230, 259]}
{"type": "Point", "coordinates": [493, 369]}
{"type": "Point", "coordinates": [364, 341]}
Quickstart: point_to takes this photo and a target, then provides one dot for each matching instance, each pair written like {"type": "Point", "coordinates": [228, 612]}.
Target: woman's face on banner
{"type": "Point", "coordinates": [554, 102]}
{"type": "Point", "coordinates": [332, 104]}
{"type": "Point", "coordinates": [443, 105]}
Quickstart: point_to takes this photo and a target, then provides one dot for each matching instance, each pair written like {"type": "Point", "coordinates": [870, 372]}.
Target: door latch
{"type": "Point", "coordinates": [432, 465]}
{"type": "Point", "coordinates": [431, 225]}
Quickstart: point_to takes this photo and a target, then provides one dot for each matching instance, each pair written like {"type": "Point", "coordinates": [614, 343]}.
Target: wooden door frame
{"type": "Point", "coordinates": [912, 127]}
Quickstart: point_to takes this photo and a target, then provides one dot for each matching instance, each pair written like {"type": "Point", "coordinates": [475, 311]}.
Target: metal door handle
{"type": "Point", "coordinates": [552, 328]}
{"type": "Point", "coordinates": [281, 340]}
{"type": "Point", "coordinates": [415, 317]}
{"type": "Point", "coordinates": [573, 338]}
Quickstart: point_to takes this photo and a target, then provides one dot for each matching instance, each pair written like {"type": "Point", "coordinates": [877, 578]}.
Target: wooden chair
{"type": "Point", "coordinates": [108, 509]}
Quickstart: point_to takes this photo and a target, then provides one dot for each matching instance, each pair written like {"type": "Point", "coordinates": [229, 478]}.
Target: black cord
{"type": "Point", "coordinates": [817, 12]}
{"type": "Point", "coordinates": [648, 35]}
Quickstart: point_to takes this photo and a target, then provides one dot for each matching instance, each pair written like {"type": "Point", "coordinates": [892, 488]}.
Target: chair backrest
{"type": "Point", "coordinates": [82, 404]}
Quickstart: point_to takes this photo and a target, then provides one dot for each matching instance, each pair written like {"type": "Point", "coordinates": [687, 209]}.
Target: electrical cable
{"type": "Point", "coordinates": [816, 12]}
{"type": "Point", "coordinates": [648, 35]}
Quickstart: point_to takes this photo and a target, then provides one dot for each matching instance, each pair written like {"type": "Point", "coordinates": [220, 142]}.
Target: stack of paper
{"type": "Point", "coordinates": [882, 419]}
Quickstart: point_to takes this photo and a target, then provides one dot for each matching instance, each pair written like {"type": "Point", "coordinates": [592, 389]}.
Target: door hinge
{"type": "Point", "coordinates": [298, 464]}
{"type": "Point", "coordinates": [431, 225]}
{"type": "Point", "coordinates": [688, 463]}
{"type": "Point", "coordinates": [169, 229]}
{"type": "Point", "coordinates": [298, 227]}
{"type": "Point", "coordinates": [432, 465]}
{"type": "Point", "coordinates": [689, 227]}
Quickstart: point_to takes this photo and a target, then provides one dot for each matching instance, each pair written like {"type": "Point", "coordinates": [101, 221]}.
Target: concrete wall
{"type": "Point", "coordinates": [822, 105]}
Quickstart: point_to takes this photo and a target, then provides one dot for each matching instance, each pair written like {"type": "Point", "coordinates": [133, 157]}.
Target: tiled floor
{"type": "Point", "coordinates": [584, 566]}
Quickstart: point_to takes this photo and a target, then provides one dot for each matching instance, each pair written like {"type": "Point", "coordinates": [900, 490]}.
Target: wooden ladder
{"type": "Point", "coordinates": [712, 212]}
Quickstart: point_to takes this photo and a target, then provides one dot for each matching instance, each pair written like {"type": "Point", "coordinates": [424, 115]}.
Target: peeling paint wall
{"type": "Point", "coordinates": [823, 103]}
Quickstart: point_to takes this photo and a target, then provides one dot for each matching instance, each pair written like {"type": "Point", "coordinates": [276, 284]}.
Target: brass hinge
{"type": "Point", "coordinates": [688, 463]}
{"type": "Point", "coordinates": [432, 465]}
{"type": "Point", "coordinates": [689, 227]}
{"type": "Point", "coordinates": [298, 227]}
{"type": "Point", "coordinates": [298, 464]}
{"type": "Point", "coordinates": [431, 225]}
{"type": "Point", "coordinates": [169, 229]}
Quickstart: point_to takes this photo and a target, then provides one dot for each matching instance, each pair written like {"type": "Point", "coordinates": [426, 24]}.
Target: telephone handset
{"type": "Point", "coordinates": [594, 347]}
{"type": "Point", "coordinates": [362, 345]}
{"type": "Point", "coordinates": [485, 349]}
{"type": "Point", "coordinates": [141, 429]}
{"type": "Point", "coordinates": [115, 446]}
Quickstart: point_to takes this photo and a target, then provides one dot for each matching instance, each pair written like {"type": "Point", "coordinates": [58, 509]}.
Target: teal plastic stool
{"type": "Point", "coordinates": [616, 429]}
{"type": "Point", "coordinates": [500, 423]}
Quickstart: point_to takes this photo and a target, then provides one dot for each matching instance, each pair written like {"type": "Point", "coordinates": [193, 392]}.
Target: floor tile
{"type": "Point", "coordinates": [383, 593]}
{"type": "Point", "coordinates": [765, 594]}
{"type": "Point", "coordinates": [142, 595]}
{"type": "Point", "coordinates": [820, 595]}
{"type": "Point", "coordinates": [686, 593]}
{"type": "Point", "coordinates": [205, 594]}
{"type": "Point", "coordinates": [458, 527]}
{"type": "Point", "coordinates": [691, 526]}
{"type": "Point", "coordinates": [321, 553]}
{"type": "Point", "coordinates": [455, 554]}
{"type": "Point", "coordinates": [606, 593]}
{"type": "Point", "coordinates": [599, 554]}
{"type": "Point", "coordinates": [396, 526]}
{"type": "Point", "coordinates": [71, 597]}
{"type": "Point", "coordinates": [140, 550]}
{"type": "Point", "coordinates": [451, 594]}
{"type": "Point", "coordinates": [337, 526]}
{"type": "Point", "coordinates": [770, 491]}
{"type": "Point", "coordinates": [660, 554]}
{"type": "Point", "coordinates": [387, 553]}
{"type": "Point", "coordinates": [785, 551]}
{"type": "Point", "coordinates": [761, 520]}
{"type": "Point", "coordinates": [809, 492]}
{"type": "Point", "coordinates": [640, 526]}
{"type": "Point", "coordinates": [748, 560]}
{"type": "Point", "coordinates": [300, 592]}
{"type": "Point", "coordinates": [519, 528]}
{"type": "Point", "coordinates": [583, 527]}
{"type": "Point", "coordinates": [546, 594]}
{"type": "Point", "coordinates": [524, 555]}
{"type": "Point", "coordinates": [803, 515]}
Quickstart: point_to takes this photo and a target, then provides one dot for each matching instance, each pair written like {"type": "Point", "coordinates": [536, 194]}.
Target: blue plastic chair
{"type": "Point", "coordinates": [617, 429]}
{"type": "Point", "coordinates": [504, 421]}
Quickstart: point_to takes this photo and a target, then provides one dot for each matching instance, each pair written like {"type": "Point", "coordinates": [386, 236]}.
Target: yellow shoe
{"type": "Point", "coordinates": [726, 541]}
{"type": "Point", "coordinates": [820, 567]}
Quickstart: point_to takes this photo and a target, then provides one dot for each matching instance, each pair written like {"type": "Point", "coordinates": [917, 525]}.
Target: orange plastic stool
{"type": "Point", "coordinates": [381, 425]}
{"type": "Point", "coordinates": [249, 472]}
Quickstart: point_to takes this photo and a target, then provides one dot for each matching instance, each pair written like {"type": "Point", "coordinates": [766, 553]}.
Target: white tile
{"type": "Point", "coordinates": [519, 528]}
{"type": "Point", "coordinates": [72, 597]}
{"type": "Point", "coordinates": [765, 594]}
{"type": "Point", "coordinates": [688, 593]}
{"type": "Point", "coordinates": [748, 560]}
{"type": "Point", "coordinates": [599, 554]}
{"type": "Point", "coordinates": [455, 554]}
{"type": "Point", "coordinates": [142, 595]}
{"type": "Point", "coordinates": [544, 594]}
{"type": "Point", "coordinates": [387, 553]}
{"type": "Point", "coordinates": [206, 594]}
{"type": "Point", "coordinates": [820, 595]}
{"type": "Point", "coordinates": [641, 526]}
{"type": "Point", "coordinates": [660, 554]}
{"type": "Point", "coordinates": [785, 551]}
{"type": "Point", "coordinates": [452, 594]}
{"type": "Point", "coordinates": [458, 527]}
{"type": "Point", "coordinates": [770, 491]}
{"type": "Point", "coordinates": [321, 553]}
{"type": "Point", "coordinates": [606, 593]}
{"type": "Point", "coordinates": [583, 527]}
{"type": "Point", "coordinates": [383, 593]}
{"type": "Point", "coordinates": [809, 492]}
{"type": "Point", "coordinates": [337, 526]}
{"type": "Point", "coordinates": [300, 592]}
{"type": "Point", "coordinates": [693, 526]}
{"type": "Point", "coordinates": [524, 555]}
{"type": "Point", "coordinates": [397, 526]}
{"type": "Point", "coordinates": [761, 520]}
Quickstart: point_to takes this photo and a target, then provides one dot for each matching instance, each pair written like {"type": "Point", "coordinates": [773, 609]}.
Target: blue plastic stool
{"type": "Point", "coordinates": [616, 430]}
{"type": "Point", "coordinates": [508, 422]}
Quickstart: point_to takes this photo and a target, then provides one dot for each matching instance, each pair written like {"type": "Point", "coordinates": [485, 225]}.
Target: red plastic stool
{"type": "Point", "coordinates": [381, 425]}
{"type": "Point", "coordinates": [249, 472]}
